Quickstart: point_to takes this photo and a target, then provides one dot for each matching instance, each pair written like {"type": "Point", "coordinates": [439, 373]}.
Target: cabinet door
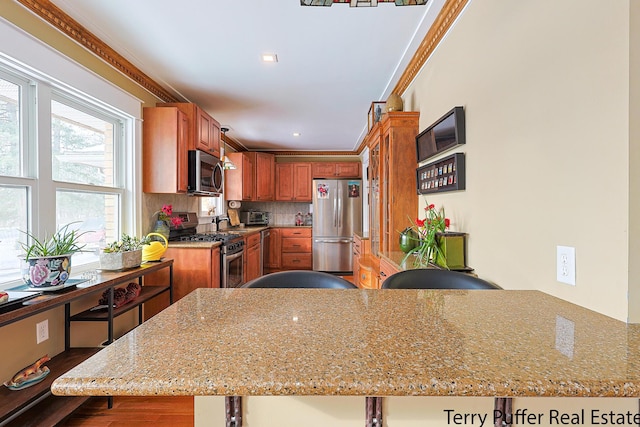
{"type": "Point", "coordinates": [215, 268]}
{"type": "Point", "coordinates": [275, 249]}
{"type": "Point", "coordinates": [214, 138]}
{"type": "Point", "coordinates": [203, 131]}
{"type": "Point", "coordinates": [264, 176]}
{"type": "Point", "coordinates": [247, 177]}
{"type": "Point", "coordinates": [324, 170]}
{"type": "Point", "coordinates": [284, 182]}
{"type": "Point", "coordinates": [302, 182]}
{"type": "Point", "coordinates": [164, 150]}
{"type": "Point", "coordinates": [348, 170]}
{"type": "Point", "coordinates": [252, 262]}
{"type": "Point", "coordinates": [192, 268]}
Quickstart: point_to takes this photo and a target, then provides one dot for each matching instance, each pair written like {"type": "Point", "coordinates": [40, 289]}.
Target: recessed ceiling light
{"type": "Point", "coordinates": [269, 57]}
{"type": "Point", "coordinates": [297, 134]}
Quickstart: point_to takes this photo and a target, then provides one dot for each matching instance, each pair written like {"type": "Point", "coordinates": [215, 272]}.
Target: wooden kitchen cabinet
{"type": "Point", "coordinates": [296, 248]}
{"type": "Point", "coordinates": [398, 200]}
{"type": "Point", "coordinates": [273, 262]}
{"type": "Point", "coordinates": [336, 170]}
{"type": "Point", "coordinates": [252, 256]}
{"type": "Point", "coordinates": [193, 267]}
{"type": "Point", "coordinates": [387, 269]}
{"type": "Point", "coordinates": [204, 130]}
{"type": "Point", "coordinates": [293, 182]}
{"type": "Point", "coordinates": [264, 177]}
{"type": "Point", "coordinates": [360, 253]}
{"type": "Point", "coordinates": [253, 179]}
{"type": "Point", "coordinates": [164, 150]}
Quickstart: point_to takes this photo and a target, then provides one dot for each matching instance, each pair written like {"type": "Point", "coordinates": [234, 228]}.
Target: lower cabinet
{"type": "Point", "coordinates": [252, 257]}
{"type": "Point", "coordinates": [194, 267]}
{"type": "Point", "coordinates": [386, 269]}
{"type": "Point", "coordinates": [296, 248]}
{"type": "Point", "coordinates": [290, 249]}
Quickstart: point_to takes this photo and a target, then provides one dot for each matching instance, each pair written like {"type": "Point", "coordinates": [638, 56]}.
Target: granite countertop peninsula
{"type": "Point", "coordinates": [261, 342]}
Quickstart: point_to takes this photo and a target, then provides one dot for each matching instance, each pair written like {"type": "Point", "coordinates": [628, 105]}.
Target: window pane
{"type": "Point", "coordinates": [9, 128]}
{"type": "Point", "coordinates": [82, 146]}
{"type": "Point", "coordinates": [13, 220]}
{"type": "Point", "coordinates": [94, 214]}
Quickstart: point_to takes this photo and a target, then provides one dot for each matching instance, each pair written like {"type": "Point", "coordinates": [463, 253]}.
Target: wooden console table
{"type": "Point", "coordinates": [35, 406]}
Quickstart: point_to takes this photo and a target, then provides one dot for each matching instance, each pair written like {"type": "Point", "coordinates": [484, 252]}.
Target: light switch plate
{"type": "Point", "coordinates": [566, 265]}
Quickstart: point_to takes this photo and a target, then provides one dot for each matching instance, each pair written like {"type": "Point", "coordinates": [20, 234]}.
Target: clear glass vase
{"type": "Point", "coordinates": [161, 228]}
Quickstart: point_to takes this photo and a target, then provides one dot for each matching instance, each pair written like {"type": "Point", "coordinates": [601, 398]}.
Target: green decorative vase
{"type": "Point", "coordinates": [452, 246]}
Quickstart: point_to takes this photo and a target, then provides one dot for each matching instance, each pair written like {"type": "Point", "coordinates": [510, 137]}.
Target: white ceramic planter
{"type": "Point", "coordinates": [120, 260]}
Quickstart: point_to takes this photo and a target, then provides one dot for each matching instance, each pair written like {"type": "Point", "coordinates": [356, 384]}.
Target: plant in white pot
{"type": "Point", "coordinates": [48, 261]}
{"type": "Point", "coordinates": [123, 254]}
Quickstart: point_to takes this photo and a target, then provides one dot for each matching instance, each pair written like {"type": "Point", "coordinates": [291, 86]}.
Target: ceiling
{"type": "Point", "coordinates": [333, 62]}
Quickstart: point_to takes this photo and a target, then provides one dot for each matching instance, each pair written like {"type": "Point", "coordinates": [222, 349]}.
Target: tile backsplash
{"type": "Point", "coordinates": [282, 213]}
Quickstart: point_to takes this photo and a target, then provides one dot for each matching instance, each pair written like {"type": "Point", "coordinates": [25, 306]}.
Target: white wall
{"type": "Point", "coordinates": [545, 86]}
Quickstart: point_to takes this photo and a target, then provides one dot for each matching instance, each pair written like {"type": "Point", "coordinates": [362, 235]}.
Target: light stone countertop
{"type": "Point", "coordinates": [367, 343]}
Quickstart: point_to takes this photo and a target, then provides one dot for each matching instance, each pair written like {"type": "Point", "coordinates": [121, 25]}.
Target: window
{"type": "Point", "coordinates": [72, 173]}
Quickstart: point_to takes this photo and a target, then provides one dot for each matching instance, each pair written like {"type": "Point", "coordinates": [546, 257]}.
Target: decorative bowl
{"type": "Point", "coordinates": [46, 272]}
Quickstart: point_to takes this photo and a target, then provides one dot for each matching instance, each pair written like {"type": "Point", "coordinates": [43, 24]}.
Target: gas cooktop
{"type": "Point", "coordinates": [210, 237]}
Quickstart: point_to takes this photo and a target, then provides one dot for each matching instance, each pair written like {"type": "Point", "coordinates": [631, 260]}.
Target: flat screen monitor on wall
{"type": "Point", "coordinates": [446, 133]}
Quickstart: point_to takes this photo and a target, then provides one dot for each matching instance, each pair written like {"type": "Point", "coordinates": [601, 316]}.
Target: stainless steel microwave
{"type": "Point", "coordinates": [205, 174]}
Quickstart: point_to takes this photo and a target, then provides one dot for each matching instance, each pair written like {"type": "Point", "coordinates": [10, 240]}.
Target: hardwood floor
{"type": "Point", "coordinates": [134, 412]}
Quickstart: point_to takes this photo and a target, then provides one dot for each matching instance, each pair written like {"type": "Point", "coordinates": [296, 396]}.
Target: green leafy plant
{"type": "Point", "coordinates": [428, 231]}
{"type": "Point", "coordinates": [127, 243]}
{"type": "Point", "coordinates": [64, 241]}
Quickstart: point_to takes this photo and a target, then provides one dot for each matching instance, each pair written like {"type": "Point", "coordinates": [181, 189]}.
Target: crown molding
{"type": "Point", "coordinates": [67, 25]}
{"type": "Point", "coordinates": [441, 25]}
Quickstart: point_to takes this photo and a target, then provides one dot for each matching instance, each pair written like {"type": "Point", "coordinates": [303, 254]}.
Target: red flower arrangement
{"type": "Point", "coordinates": [165, 215]}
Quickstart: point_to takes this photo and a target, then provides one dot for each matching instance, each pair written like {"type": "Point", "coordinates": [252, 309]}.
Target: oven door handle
{"type": "Point", "coordinates": [233, 256]}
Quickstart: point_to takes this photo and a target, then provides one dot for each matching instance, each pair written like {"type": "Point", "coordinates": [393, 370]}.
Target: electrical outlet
{"type": "Point", "coordinates": [566, 265]}
{"type": "Point", "coordinates": [42, 331]}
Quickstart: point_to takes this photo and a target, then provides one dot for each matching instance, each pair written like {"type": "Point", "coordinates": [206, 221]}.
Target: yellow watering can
{"type": "Point", "coordinates": [154, 250]}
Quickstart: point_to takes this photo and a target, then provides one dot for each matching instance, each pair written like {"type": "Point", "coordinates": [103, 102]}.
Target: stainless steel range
{"type": "Point", "coordinates": [231, 250]}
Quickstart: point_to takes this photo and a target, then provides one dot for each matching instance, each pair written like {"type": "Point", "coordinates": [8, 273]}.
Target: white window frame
{"type": "Point", "coordinates": [49, 71]}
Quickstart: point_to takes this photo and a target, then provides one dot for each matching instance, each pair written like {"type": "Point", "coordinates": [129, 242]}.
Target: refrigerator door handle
{"type": "Point", "coordinates": [333, 240]}
{"type": "Point", "coordinates": [335, 211]}
{"type": "Point", "coordinates": [339, 206]}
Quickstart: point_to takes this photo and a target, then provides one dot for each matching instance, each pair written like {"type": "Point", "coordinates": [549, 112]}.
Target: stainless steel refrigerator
{"type": "Point", "coordinates": [337, 214]}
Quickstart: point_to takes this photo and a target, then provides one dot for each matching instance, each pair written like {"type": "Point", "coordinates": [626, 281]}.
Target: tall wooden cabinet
{"type": "Point", "coordinates": [392, 182]}
{"type": "Point", "coordinates": [398, 196]}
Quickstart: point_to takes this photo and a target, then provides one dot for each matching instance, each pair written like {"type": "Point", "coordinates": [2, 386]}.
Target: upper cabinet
{"type": "Point", "coordinates": [164, 150]}
{"type": "Point", "coordinates": [253, 179]}
{"type": "Point", "coordinates": [293, 182]}
{"type": "Point", "coordinates": [336, 170]}
{"type": "Point", "coordinates": [204, 130]}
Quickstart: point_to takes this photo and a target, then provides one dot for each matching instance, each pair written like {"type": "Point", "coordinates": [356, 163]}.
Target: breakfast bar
{"type": "Point", "coordinates": [314, 345]}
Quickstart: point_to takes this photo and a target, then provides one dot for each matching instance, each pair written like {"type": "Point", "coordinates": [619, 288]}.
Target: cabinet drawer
{"type": "Point", "coordinates": [253, 239]}
{"type": "Point", "coordinates": [386, 270]}
{"type": "Point", "coordinates": [296, 244]}
{"type": "Point", "coordinates": [296, 261]}
{"type": "Point", "coordinates": [295, 232]}
{"type": "Point", "coordinates": [357, 246]}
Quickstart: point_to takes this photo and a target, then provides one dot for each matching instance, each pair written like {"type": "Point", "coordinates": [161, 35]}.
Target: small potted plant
{"type": "Point", "coordinates": [48, 261]}
{"type": "Point", "coordinates": [124, 253]}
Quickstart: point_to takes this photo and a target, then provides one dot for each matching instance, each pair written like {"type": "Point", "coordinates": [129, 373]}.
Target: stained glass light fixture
{"type": "Point", "coordinates": [359, 3]}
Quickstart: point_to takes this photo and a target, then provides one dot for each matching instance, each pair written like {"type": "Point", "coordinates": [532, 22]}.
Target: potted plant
{"type": "Point", "coordinates": [48, 261]}
{"type": "Point", "coordinates": [124, 253]}
{"type": "Point", "coordinates": [431, 243]}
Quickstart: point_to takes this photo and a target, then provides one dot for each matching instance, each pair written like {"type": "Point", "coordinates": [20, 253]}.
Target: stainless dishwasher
{"type": "Point", "coordinates": [264, 249]}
